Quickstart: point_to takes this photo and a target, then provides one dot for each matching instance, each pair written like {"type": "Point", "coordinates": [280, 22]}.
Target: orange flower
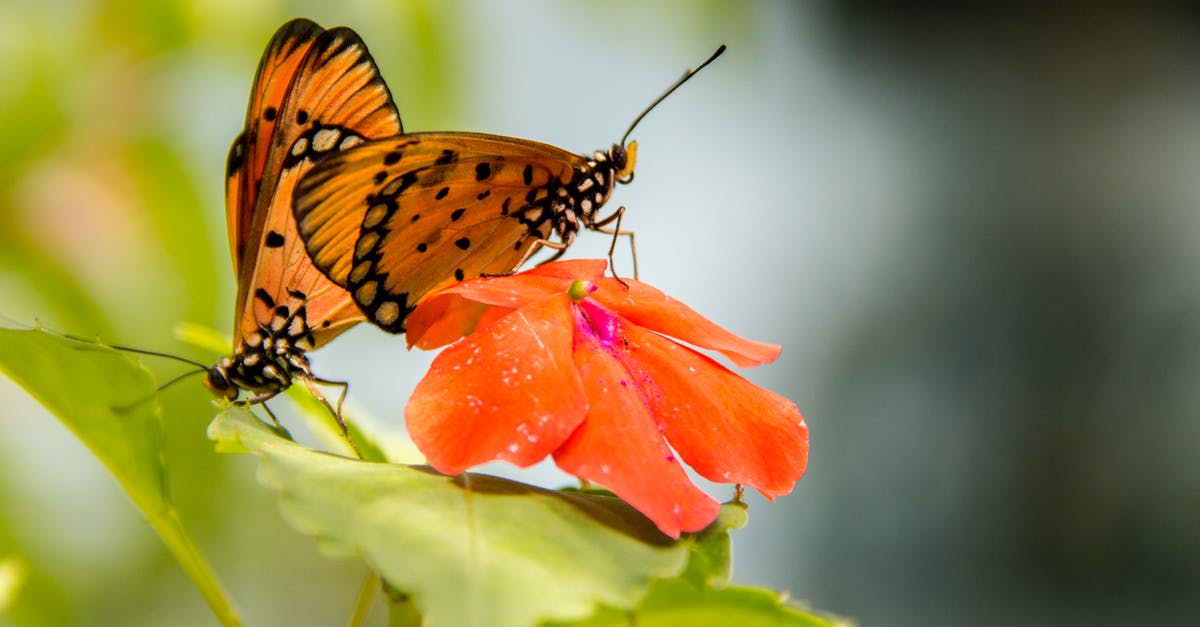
{"type": "Point", "coordinates": [563, 361]}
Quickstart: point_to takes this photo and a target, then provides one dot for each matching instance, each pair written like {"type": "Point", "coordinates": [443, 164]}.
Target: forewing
{"type": "Point", "coordinates": [394, 221]}
{"type": "Point", "coordinates": [251, 148]}
{"type": "Point", "coordinates": [336, 100]}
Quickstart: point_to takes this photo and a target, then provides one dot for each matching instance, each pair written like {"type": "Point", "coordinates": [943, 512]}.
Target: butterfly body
{"type": "Point", "coordinates": [266, 361]}
{"type": "Point", "coordinates": [397, 219]}
{"type": "Point", "coordinates": [315, 92]}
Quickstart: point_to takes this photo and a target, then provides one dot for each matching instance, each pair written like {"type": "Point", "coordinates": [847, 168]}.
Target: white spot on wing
{"type": "Point", "coordinates": [325, 139]}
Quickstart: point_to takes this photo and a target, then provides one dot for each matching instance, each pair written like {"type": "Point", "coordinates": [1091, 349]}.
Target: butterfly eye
{"type": "Point", "coordinates": [623, 161]}
{"type": "Point", "coordinates": [219, 385]}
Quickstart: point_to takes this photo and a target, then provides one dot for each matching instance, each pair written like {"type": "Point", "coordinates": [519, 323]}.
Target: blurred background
{"type": "Point", "coordinates": [973, 233]}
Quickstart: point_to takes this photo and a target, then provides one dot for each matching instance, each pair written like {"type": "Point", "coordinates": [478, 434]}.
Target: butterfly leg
{"type": "Point", "coordinates": [617, 232]}
{"type": "Point", "coordinates": [278, 427]}
{"type": "Point", "coordinates": [256, 399]}
{"type": "Point", "coordinates": [537, 245]}
{"type": "Point", "coordinates": [261, 399]}
{"type": "Point", "coordinates": [310, 382]}
{"type": "Point", "coordinates": [340, 384]}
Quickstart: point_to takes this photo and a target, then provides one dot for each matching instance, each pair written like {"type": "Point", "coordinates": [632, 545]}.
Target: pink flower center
{"type": "Point", "coordinates": [597, 323]}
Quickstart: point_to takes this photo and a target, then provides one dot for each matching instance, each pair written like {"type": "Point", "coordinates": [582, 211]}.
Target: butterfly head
{"type": "Point", "coordinates": [623, 159]}
{"type": "Point", "coordinates": [218, 383]}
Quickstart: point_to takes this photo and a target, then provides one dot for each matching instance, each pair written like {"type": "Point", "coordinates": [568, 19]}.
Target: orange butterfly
{"type": "Point", "coordinates": [395, 220]}
{"type": "Point", "coordinates": [316, 92]}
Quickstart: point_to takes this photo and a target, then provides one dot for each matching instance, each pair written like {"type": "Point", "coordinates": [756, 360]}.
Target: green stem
{"type": "Point", "coordinates": [365, 596]}
{"type": "Point", "coordinates": [166, 523]}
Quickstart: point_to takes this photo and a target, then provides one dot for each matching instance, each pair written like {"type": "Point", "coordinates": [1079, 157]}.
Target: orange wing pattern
{"type": "Point", "coordinates": [316, 92]}
{"type": "Point", "coordinates": [393, 221]}
{"type": "Point", "coordinates": [251, 149]}
{"type": "Point", "coordinates": [334, 100]}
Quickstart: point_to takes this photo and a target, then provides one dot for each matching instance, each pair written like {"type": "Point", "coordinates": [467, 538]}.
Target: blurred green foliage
{"type": "Point", "coordinates": [116, 117]}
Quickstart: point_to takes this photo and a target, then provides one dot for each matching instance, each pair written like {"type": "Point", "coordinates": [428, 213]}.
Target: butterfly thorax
{"type": "Point", "coordinates": [578, 203]}
{"type": "Point", "coordinates": [266, 361]}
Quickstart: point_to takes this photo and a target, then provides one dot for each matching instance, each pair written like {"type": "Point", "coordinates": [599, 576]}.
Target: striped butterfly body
{"type": "Point", "coordinates": [316, 92]}
{"type": "Point", "coordinates": [395, 220]}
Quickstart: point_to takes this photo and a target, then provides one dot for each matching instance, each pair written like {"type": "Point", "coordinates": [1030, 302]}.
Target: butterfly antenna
{"type": "Point", "coordinates": [129, 349]}
{"type": "Point", "coordinates": [177, 379]}
{"type": "Point", "coordinates": [142, 351]}
{"type": "Point", "coordinates": [686, 75]}
{"type": "Point", "coordinates": [123, 409]}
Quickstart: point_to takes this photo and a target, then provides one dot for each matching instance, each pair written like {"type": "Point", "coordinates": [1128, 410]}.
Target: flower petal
{"type": "Point", "coordinates": [648, 307]}
{"type": "Point", "coordinates": [508, 392]}
{"type": "Point", "coordinates": [619, 446]}
{"type": "Point", "coordinates": [723, 426]}
{"type": "Point", "coordinates": [538, 283]}
{"type": "Point", "coordinates": [570, 270]}
{"type": "Point", "coordinates": [459, 309]}
{"type": "Point", "coordinates": [446, 318]}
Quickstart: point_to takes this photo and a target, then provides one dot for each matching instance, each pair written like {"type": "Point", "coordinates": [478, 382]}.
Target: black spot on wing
{"type": "Point", "coordinates": [463, 242]}
{"type": "Point", "coordinates": [274, 239]}
{"type": "Point", "coordinates": [483, 171]}
{"type": "Point", "coordinates": [263, 296]}
{"type": "Point", "coordinates": [406, 181]}
{"type": "Point", "coordinates": [457, 213]}
{"type": "Point", "coordinates": [237, 155]}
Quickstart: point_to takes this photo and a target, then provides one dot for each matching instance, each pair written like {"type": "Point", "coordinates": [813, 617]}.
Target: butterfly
{"type": "Point", "coordinates": [395, 220]}
{"type": "Point", "coordinates": [316, 92]}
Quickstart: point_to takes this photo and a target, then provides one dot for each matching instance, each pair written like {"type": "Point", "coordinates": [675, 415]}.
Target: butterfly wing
{"type": "Point", "coordinates": [334, 99]}
{"type": "Point", "coordinates": [393, 221]}
{"type": "Point", "coordinates": [251, 149]}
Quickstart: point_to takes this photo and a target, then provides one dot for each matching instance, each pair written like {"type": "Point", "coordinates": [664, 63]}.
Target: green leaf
{"type": "Point", "coordinates": [111, 405]}
{"type": "Point", "coordinates": [466, 550]}
{"type": "Point", "coordinates": [101, 396]}
{"type": "Point", "coordinates": [710, 557]}
{"type": "Point", "coordinates": [698, 596]}
{"type": "Point", "coordinates": [324, 425]}
{"type": "Point", "coordinates": [678, 603]}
